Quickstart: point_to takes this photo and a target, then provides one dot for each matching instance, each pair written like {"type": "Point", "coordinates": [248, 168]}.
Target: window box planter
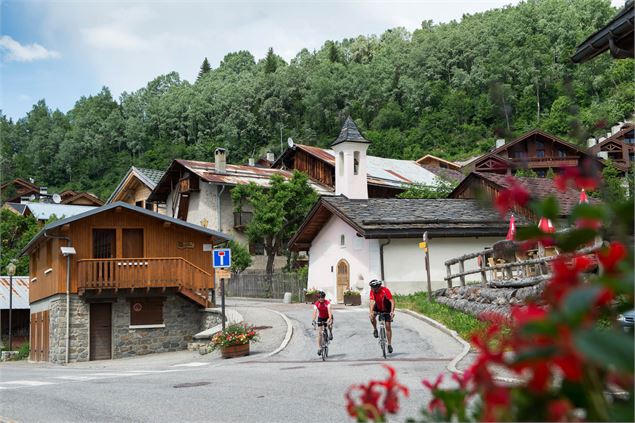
{"type": "Point", "coordinates": [310, 298]}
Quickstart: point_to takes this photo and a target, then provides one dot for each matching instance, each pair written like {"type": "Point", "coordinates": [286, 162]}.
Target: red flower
{"type": "Point", "coordinates": [508, 198]}
{"type": "Point", "coordinates": [435, 385]}
{"type": "Point", "coordinates": [558, 410]}
{"type": "Point", "coordinates": [496, 399]}
{"type": "Point", "coordinates": [531, 312]}
{"type": "Point", "coordinates": [612, 256]}
{"type": "Point", "coordinates": [589, 183]}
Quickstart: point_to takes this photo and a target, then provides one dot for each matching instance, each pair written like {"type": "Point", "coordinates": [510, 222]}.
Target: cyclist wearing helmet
{"type": "Point", "coordinates": [381, 301]}
{"type": "Point", "coordinates": [322, 310]}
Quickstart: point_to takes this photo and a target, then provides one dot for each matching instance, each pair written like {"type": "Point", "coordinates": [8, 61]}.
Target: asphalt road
{"type": "Point", "coordinates": [292, 386]}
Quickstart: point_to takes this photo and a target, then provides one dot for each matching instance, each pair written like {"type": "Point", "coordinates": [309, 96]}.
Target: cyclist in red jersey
{"type": "Point", "coordinates": [381, 301]}
{"type": "Point", "coordinates": [322, 310]}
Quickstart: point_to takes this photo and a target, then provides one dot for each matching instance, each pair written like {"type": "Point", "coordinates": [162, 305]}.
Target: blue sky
{"type": "Point", "coordinates": [62, 50]}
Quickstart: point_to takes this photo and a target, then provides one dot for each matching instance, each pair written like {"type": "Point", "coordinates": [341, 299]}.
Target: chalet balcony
{"type": "Point", "coordinates": [133, 273]}
{"type": "Point", "coordinates": [242, 219]}
{"type": "Point", "coordinates": [563, 161]}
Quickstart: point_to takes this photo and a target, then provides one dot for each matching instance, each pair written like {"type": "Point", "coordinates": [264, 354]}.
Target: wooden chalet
{"type": "Point", "coordinates": [134, 274]}
{"type": "Point", "coordinates": [535, 150]}
{"type": "Point", "coordinates": [135, 188]}
{"type": "Point", "coordinates": [487, 185]}
{"type": "Point", "coordinates": [618, 147]}
{"type": "Point", "coordinates": [80, 198]}
{"type": "Point", "coordinates": [434, 161]}
{"type": "Point", "coordinates": [386, 178]}
{"type": "Point", "coordinates": [13, 191]}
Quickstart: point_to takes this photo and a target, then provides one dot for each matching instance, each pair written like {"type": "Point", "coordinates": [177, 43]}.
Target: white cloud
{"type": "Point", "coordinates": [16, 52]}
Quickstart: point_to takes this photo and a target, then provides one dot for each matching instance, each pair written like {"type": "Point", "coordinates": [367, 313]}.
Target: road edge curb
{"type": "Point", "coordinates": [466, 345]}
{"type": "Point", "coordinates": [287, 336]}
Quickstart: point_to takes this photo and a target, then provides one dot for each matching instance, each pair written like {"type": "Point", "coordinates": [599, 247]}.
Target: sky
{"type": "Point", "coordinates": [62, 50]}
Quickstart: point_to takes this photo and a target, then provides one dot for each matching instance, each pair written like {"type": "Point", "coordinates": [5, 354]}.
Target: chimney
{"type": "Point", "coordinates": [271, 157]}
{"type": "Point", "coordinates": [500, 142]}
{"type": "Point", "coordinates": [608, 134]}
{"type": "Point", "coordinates": [43, 190]}
{"type": "Point", "coordinates": [25, 199]}
{"type": "Point", "coordinates": [591, 142]}
{"type": "Point", "coordinates": [220, 161]}
{"type": "Point", "coordinates": [615, 129]}
{"type": "Point", "coordinates": [252, 161]}
{"type": "Point", "coordinates": [603, 155]}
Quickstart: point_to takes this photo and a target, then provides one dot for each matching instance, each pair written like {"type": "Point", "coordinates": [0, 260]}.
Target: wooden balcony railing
{"type": "Point", "coordinates": [168, 272]}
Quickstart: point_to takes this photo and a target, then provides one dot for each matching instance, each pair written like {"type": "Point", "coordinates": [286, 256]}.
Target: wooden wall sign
{"type": "Point", "coordinates": [184, 244]}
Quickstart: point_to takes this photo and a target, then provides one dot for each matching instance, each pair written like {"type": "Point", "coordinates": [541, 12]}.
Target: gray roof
{"type": "Point", "coordinates": [153, 176]}
{"type": "Point", "coordinates": [96, 210]}
{"type": "Point", "coordinates": [20, 298]}
{"type": "Point", "coordinates": [43, 211]}
{"type": "Point", "coordinates": [350, 133]}
{"type": "Point", "coordinates": [150, 177]}
{"type": "Point", "coordinates": [19, 207]}
{"type": "Point", "coordinates": [383, 217]}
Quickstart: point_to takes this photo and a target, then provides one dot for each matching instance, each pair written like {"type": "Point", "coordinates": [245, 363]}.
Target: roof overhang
{"type": "Point", "coordinates": [97, 210]}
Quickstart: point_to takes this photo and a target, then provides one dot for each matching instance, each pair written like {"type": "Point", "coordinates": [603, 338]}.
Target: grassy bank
{"type": "Point", "coordinates": [464, 324]}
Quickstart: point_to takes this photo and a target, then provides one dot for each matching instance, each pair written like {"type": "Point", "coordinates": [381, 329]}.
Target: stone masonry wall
{"type": "Point", "coordinates": [79, 332]}
{"type": "Point", "coordinates": [182, 320]}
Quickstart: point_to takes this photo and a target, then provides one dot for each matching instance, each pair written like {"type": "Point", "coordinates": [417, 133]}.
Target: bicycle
{"type": "Point", "coordinates": [383, 340]}
{"type": "Point", "coordinates": [324, 342]}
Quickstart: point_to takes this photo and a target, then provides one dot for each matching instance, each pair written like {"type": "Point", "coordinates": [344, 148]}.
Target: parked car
{"type": "Point", "coordinates": [627, 320]}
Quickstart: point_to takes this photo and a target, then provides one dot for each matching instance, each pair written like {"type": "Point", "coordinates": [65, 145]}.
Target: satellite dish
{"type": "Point", "coordinates": [290, 142]}
{"type": "Point", "coordinates": [57, 199]}
{"type": "Point", "coordinates": [32, 197]}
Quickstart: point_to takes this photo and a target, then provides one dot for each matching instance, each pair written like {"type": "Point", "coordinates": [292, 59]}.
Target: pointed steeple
{"type": "Point", "coordinates": [350, 133]}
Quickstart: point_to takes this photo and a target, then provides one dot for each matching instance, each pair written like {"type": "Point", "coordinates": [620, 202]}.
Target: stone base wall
{"type": "Point", "coordinates": [181, 317]}
{"type": "Point", "coordinates": [210, 318]}
{"type": "Point", "coordinates": [182, 320]}
{"type": "Point", "coordinates": [477, 300]}
{"type": "Point", "coordinates": [78, 330]}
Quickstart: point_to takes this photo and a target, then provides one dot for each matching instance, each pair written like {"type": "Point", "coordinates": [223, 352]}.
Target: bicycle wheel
{"type": "Point", "coordinates": [382, 340]}
{"type": "Point", "coordinates": [324, 353]}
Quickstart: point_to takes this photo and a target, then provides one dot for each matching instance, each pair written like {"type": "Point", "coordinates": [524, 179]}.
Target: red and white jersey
{"type": "Point", "coordinates": [323, 308]}
{"type": "Point", "coordinates": [380, 296]}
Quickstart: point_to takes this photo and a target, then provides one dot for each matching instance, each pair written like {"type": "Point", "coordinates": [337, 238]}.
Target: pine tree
{"type": "Point", "coordinates": [271, 63]}
{"type": "Point", "coordinates": [205, 68]}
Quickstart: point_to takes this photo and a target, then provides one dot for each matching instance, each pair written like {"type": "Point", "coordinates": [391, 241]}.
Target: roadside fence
{"type": "Point", "coordinates": [261, 285]}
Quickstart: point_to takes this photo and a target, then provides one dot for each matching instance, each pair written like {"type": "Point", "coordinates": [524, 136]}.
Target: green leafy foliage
{"type": "Point", "coordinates": [15, 233]}
{"type": "Point", "coordinates": [446, 89]}
{"type": "Point", "coordinates": [441, 190]}
{"type": "Point", "coordinates": [277, 210]}
{"type": "Point", "coordinates": [241, 259]}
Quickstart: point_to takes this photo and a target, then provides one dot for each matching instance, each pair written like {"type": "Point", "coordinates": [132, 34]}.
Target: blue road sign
{"type": "Point", "coordinates": [221, 258]}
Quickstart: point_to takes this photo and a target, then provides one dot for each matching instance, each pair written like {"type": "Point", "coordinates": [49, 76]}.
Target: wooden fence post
{"type": "Point", "coordinates": [449, 272]}
{"type": "Point", "coordinates": [461, 270]}
{"type": "Point", "coordinates": [483, 272]}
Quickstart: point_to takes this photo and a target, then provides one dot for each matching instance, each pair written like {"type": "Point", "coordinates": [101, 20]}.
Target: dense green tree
{"type": "Point", "coordinates": [241, 259]}
{"type": "Point", "coordinates": [446, 89]}
{"type": "Point", "coordinates": [204, 70]}
{"type": "Point", "coordinates": [614, 187]}
{"type": "Point", "coordinates": [441, 190]}
{"type": "Point", "coordinates": [15, 233]}
{"type": "Point", "coordinates": [277, 210]}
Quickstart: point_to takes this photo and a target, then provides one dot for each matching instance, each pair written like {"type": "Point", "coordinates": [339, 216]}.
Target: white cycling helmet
{"type": "Point", "coordinates": [375, 283]}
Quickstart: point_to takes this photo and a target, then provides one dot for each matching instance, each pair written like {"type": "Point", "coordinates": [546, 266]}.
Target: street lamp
{"type": "Point", "coordinates": [11, 273]}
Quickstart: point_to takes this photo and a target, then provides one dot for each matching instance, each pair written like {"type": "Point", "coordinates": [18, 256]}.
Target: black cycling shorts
{"type": "Point", "coordinates": [322, 319]}
{"type": "Point", "coordinates": [386, 309]}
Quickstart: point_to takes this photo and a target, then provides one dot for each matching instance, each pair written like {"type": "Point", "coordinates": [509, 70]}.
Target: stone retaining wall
{"type": "Point", "coordinates": [79, 329]}
{"type": "Point", "coordinates": [476, 300]}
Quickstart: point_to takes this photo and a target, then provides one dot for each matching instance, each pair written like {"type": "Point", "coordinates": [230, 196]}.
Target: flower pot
{"type": "Point", "coordinates": [235, 350]}
{"type": "Point", "coordinates": [354, 300]}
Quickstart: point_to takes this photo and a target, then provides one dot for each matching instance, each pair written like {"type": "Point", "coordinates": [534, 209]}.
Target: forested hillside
{"type": "Point", "coordinates": [445, 89]}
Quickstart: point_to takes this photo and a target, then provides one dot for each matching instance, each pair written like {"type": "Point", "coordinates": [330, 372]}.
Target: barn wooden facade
{"type": "Point", "coordinates": [132, 270]}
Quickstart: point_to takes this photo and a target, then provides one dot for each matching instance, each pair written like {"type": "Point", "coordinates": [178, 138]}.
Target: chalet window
{"type": "Point", "coordinates": [343, 240]}
{"type": "Point", "coordinates": [341, 163]}
{"type": "Point", "coordinates": [629, 138]}
{"type": "Point", "coordinates": [256, 248]}
{"type": "Point", "coordinates": [149, 206]}
{"type": "Point", "coordinates": [540, 144]}
{"type": "Point", "coordinates": [540, 153]}
{"type": "Point", "coordinates": [541, 173]}
{"type": "Point", "coordinates": [139, 204]}
{"type": "Point", "coordinates": [561, 153]}
{"type": "Point", "coordinates": [104, 243]}
{"type": "Point", "coordinates": [356, 163]}
{"type": "Point", "coordinates": [146, 311]}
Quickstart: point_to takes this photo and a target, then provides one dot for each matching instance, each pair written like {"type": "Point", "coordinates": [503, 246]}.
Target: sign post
{"type": "Point", "coordinates": [222, 259]}
{"type": "Point", "coordinates": [424, 245]}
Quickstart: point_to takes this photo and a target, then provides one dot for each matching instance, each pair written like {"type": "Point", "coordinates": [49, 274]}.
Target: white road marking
{"type": "Point", "coordinates": [79, 378]}
{"type": "Point", "coordinates": [193, 364]}
{"type": "Point", "coordinates": [27, 383]}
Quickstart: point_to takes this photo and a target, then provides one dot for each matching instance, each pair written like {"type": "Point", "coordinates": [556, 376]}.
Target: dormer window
{"type": "Point", "coordinates": [356, 163]}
